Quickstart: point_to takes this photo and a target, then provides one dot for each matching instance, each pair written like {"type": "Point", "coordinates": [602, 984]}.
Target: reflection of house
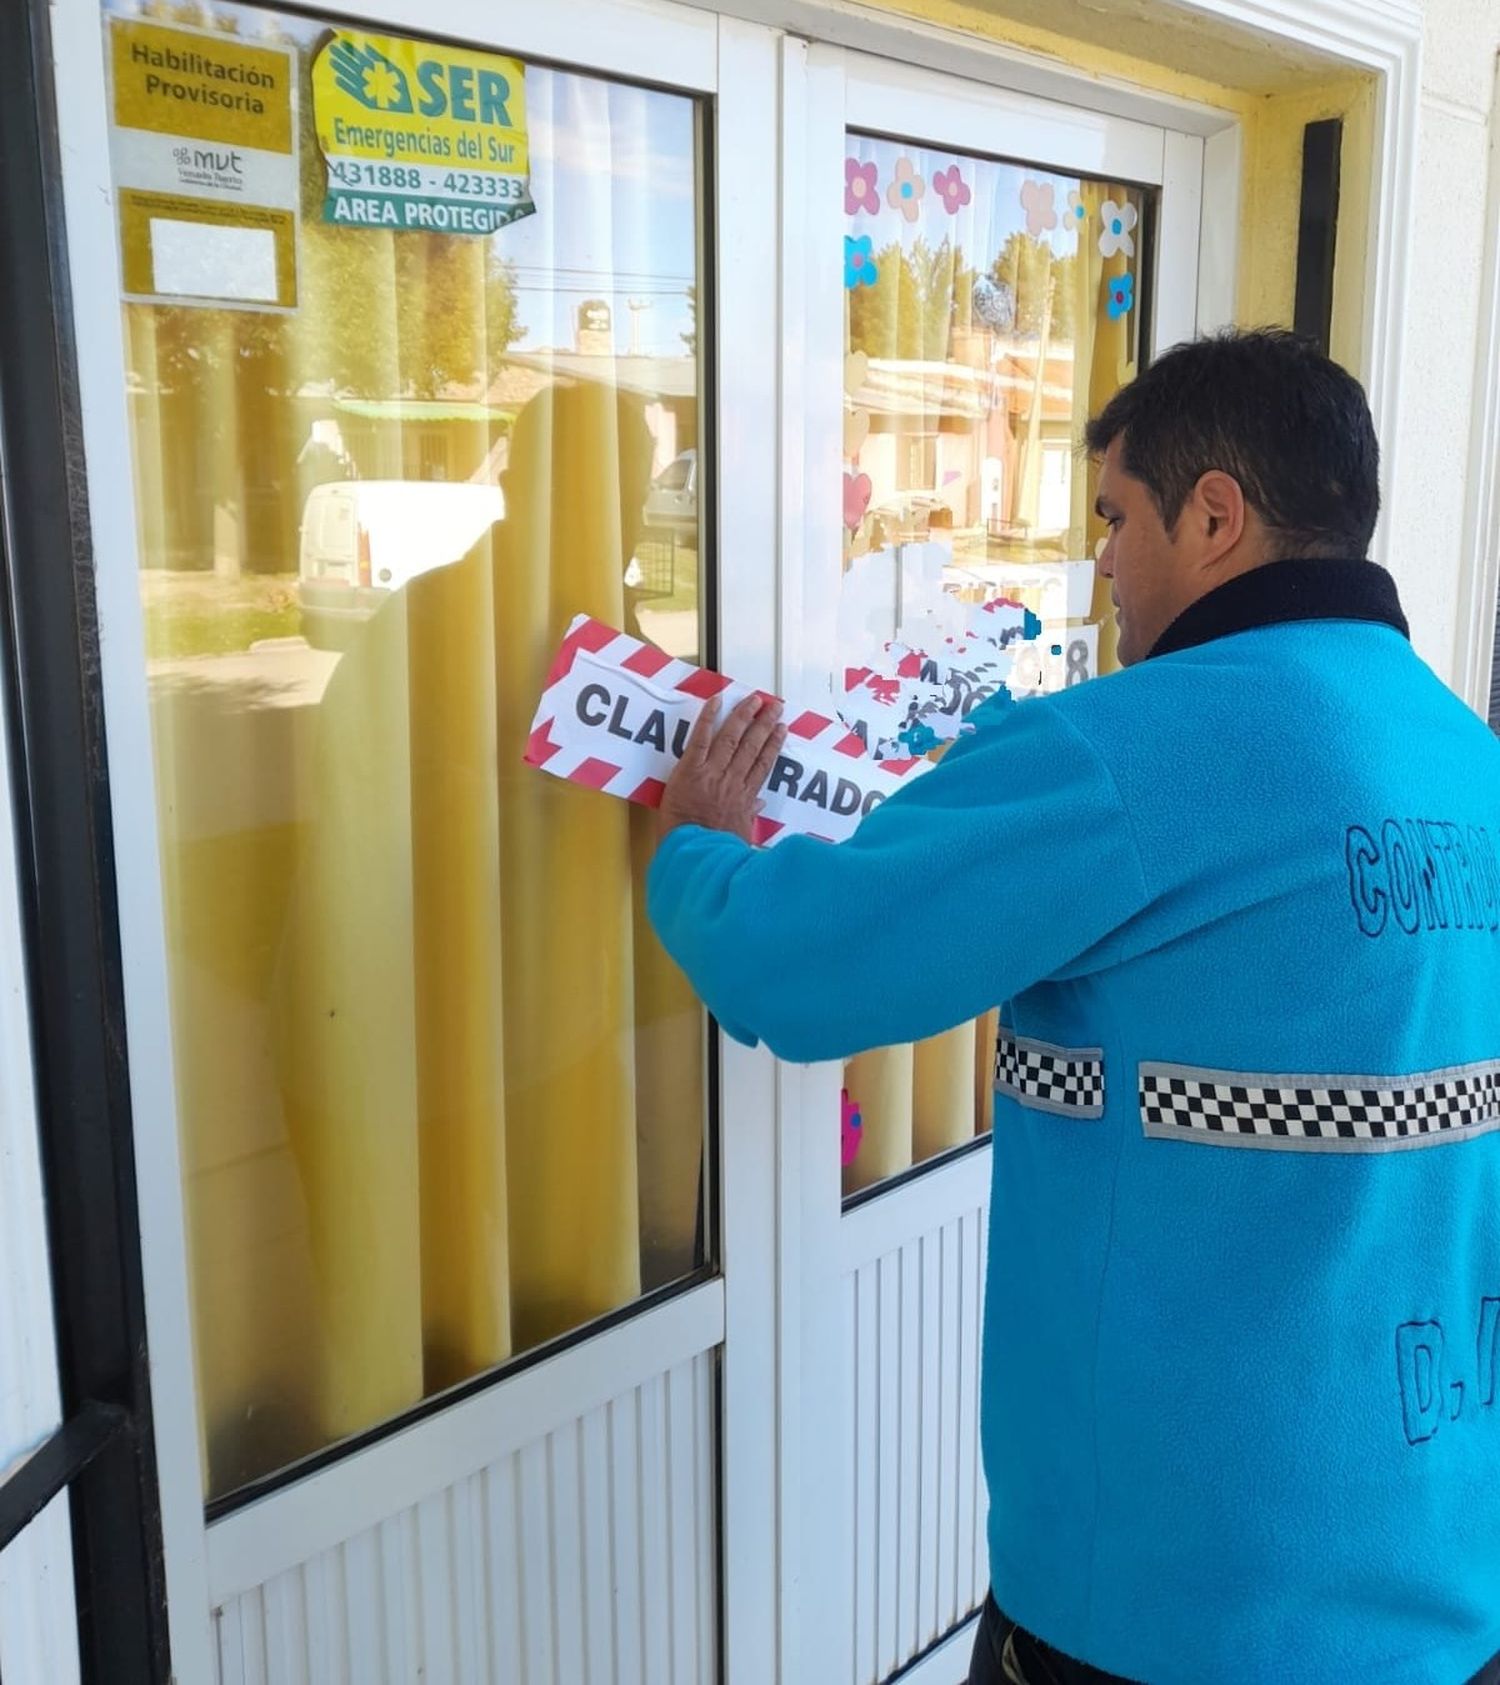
{"type": "Point", "coordinates": [1034, 422]}
{"type": "Point", "coordinates": [462, 435]}
{"type": "Point", "coordinates": [666, 386]}
{"type": "Point", "coordinates": [420, 438]}
{"type": "Point", "coordinates": [990, 437]}
{"type": "Point", "coordinates": [199, 516]}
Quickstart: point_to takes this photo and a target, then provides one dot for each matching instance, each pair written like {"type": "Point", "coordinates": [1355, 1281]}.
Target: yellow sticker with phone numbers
{"type": "Point", "coordinates": [421, 136]}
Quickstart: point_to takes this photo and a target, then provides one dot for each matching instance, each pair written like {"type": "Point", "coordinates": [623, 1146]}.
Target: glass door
{"type": "Point", "coordinates": [413, 329]}
{"type": "Point", "coordinates": [991, 305]}
{"type": "Point", "coordinates": [984, 272]}
{"type": "Point", "coordinates": [387, 441]}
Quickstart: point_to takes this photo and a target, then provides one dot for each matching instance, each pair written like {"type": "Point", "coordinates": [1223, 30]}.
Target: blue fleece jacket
{"type": "Point", "coordinates": [1241, 909]}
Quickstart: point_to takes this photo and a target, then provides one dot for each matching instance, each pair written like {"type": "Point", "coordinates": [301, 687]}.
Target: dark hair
{"type": "Point", "coordinates": [1269, 409]}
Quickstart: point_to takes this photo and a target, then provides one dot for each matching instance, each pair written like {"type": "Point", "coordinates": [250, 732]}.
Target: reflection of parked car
{"type": "Point", "coordinates": [672, 502]}
{"type": "Point", "coordinates": [363, 539]}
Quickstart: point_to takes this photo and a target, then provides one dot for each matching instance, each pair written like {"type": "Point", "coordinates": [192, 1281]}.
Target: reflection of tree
{"type": "Point", "coordinates": [452, 297]}
{"type": "Point", "coordinates": [920, 297]}
{"type": "Point", "coordinates": [924, 293]}
{"type": "Point", "coordinates": [690, 338]}
{"type": "Point", "coordinates": [1024, 269]}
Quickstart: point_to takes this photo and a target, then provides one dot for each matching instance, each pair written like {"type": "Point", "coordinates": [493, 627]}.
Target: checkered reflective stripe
{"type": "Point", "coordinates": [1067, 1080]}
{"type": "Point", "coordinates": [1324, 1113]}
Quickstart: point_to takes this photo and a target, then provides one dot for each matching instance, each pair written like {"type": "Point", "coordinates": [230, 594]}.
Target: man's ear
{"type": "Point", "coordinates": [1217, 509]}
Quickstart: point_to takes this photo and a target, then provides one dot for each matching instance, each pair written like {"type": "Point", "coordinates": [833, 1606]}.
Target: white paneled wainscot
{"type": "Point", "coordinates": [584, 1554]}
{"type": "Point", "coordinates": [915, 1523]}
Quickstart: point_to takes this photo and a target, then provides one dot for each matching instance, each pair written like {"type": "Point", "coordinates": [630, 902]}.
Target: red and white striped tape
{"type": "Point", "coordinates": [616, 711]}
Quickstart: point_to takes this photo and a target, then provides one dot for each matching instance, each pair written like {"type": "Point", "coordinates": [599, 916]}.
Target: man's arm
{"type": "Point", "coordinates": [1010, 859]}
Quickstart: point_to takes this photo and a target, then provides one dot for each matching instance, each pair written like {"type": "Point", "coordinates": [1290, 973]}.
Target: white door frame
{"type": "Point", "coordinates": [1379, 36]}
{"type": "Point", "coordinates": [735, 68]}
{"type": "Point", "coordinates": [828, 91]}
{"type": "Point", "coordinates": [854, 90]}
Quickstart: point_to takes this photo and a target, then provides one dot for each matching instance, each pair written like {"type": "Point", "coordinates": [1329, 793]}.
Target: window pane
{"type": "Point", "coordinates": [442, 1095]}
{"type": "Point", "coordinates": [991, 307]}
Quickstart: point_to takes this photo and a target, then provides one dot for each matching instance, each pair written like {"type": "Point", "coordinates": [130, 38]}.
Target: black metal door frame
{"type": "Point", "coordinates": [103, 1455]}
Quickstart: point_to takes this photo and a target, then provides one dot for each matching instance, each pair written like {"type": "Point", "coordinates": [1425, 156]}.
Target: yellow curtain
{"type": "Point", "coordinates": [516, 1080]}
{"type": "Point", "coordinates": [984, 1071]}
{"type": "Point", "coordinates": [880, 1082]}
{"type": "Point", "coordinates": [441, 1091]}
{"type": "Point", "coordinates": [917, 1101]}
{"type": "Point", "coordinates": [428, 1046]}
{"type": "Point", "coordinates": [670, 1084]}
{"type": "Point", "coordinates": [1106, 347]}
{"type": "Point", "coordinates": [579, 463]}
{"type": "Point", "coordinates": [344, 1045]}
{"type": "Point", "coordinates": [942, 1092]}
{"type": "Point", "coordinates": [458, 966]}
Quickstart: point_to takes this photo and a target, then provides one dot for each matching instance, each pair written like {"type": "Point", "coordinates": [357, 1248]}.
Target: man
{"type": "Point", "coordinates": [1241, 1364]}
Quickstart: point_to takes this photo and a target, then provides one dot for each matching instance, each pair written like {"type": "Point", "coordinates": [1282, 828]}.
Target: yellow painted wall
{"type": "Point", "coordinates": [1268, 218]}
{"type": "Point", "coordinates": [1271, 119]}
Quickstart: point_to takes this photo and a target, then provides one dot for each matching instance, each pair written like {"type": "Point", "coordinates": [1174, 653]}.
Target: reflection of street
{"type": "Point", "coordinates": [674, 630]}
{"type": "Point", "coordinates": [222, 714]}
{"type": "Point", "coordinates": [272, 673]}
{"type": "Point", "coordinates": [202, 613]}
{"type": "Point", "coordinates": [241, 636]}
{"type": "Point", "coordinates": [233, 685]}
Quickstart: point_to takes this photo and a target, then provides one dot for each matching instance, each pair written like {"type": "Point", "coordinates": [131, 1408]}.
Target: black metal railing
{"type": "Point", "coordinates": [55, 1464]}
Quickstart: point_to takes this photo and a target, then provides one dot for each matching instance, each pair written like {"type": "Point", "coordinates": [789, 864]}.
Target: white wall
{"type": "Point", "coordinates": [38, 1640]}
{"type": "Point", "coordinates": [1428, 543]}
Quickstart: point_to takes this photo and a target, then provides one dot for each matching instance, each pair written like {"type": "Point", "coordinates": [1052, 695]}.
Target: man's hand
{"type": "Point", "coordinates": [717, 782]}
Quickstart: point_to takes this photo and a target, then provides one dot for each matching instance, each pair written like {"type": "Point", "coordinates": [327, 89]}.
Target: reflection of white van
{"type": "Point", "coordinates": [363, 539]}
{"type": "Point", "coordinates": [672, 502]}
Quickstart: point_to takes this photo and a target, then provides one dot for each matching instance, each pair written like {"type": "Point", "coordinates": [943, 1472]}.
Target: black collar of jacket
{"type": "Point", "coordinates": [1281, 591]}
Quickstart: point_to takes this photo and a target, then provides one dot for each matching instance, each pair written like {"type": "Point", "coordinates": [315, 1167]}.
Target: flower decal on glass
{"type": "Point", "coordinates": [952, 189]}
{"type": "Point", "coordinates": [1121, 296]}
{"type": "Point", "coordinates": [1039, 201]}
{"type": "Point", "coordinates": [1077, 212]}
{"type": "Point", "coordinates": [857, 488]}
{"type": "Point", "coordinates": [905, 192]}
{"type": "Point", "coordinates": [861, 187]}
{"type": "Point", "coordinates": [852, 1128]}
{"type": "Point", "coordinates": [860, 268]}
{"type": "Point", "coordinates": [1115, 224]}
